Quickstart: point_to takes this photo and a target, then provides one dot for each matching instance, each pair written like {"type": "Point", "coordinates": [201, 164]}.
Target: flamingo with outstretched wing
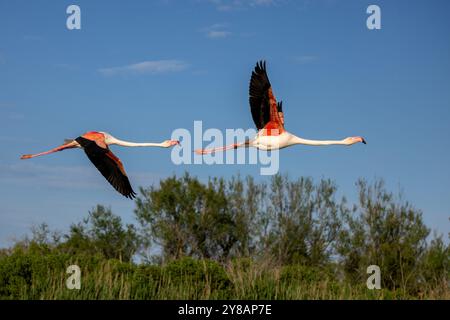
{"type": "Point", "coordinates": [96, 146]}
{"type": "Point", "coordinates": [268, 117]}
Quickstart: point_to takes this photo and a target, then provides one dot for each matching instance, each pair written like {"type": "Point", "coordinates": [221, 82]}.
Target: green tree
{"type": "Point", "coordinates": [435, 268]}
{"type": "Point", "coordinates": [383, 230]}
{"type": "Point", "coordinates": [188, 218]}
{"type": "Point", "coordinates": [103, 232]}
{"type": "Point", "coordinates": [305, 220]}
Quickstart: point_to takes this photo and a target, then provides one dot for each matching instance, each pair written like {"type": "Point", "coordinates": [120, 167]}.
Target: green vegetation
{"type": "Point", "coordinates": [237, 239]}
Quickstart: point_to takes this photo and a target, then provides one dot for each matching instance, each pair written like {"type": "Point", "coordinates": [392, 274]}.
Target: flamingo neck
{"type": "Point", "coordinates": [298, 140]}
{"type": "Point", "coordinates": [133, 144]}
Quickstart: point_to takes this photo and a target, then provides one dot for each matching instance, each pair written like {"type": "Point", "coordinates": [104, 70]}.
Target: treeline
{"type": "Point", "coordinates": [236, 238]}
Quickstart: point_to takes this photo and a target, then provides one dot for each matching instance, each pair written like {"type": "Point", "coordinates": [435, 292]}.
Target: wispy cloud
{"type": "Point", "coordinates": [30, 173]}
{"type": "Point", "coordinates": [218, 34]}
{"type": "Point", "coordinates": [26, 173]}
{"type": "Point", "coordinates": [229, 5]}
{"type": "Point", "coordinates": [305, 59]}
{"type": "Point", "coordinates": [147, 67]}
{"type": "Point", "coordinates": [261, 2]}
{"type": "Point", "coordinates": [216, 31]}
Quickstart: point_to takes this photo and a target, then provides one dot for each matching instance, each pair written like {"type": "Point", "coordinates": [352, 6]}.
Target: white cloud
{"type": "Point", "coordinates": [218, 34]}
{"type": "Point", "coordinates": [147, 67]}
{"type": "Point", "coordinates": [216, 31]}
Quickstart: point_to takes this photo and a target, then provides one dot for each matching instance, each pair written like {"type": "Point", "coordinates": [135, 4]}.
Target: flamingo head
{"type": "Point", "coordinates": [170, 143]}
{"type": "Point", "coordinates": [352, 140]}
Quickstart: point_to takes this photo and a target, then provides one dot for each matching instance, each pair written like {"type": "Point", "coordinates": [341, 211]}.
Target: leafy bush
{"type": "Point", "coordinates": [203, 272]}
{"type": "Point", "coordinates": [301, 273]}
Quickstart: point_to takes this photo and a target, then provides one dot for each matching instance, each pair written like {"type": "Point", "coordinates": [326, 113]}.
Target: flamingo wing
{"type": "Point", "coordinates": [280, 111]}
{"type": "Point", "coordinates": [109, 166]}
{"type": "Point", "coordinates": [263, 104]}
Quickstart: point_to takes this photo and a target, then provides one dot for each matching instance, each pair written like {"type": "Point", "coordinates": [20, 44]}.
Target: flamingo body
{"type": "Point", "coordinates": [271, 140]}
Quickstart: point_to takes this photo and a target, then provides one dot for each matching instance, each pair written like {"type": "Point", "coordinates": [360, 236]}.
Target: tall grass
{"type": "Point", "coordinates": [184, 279]}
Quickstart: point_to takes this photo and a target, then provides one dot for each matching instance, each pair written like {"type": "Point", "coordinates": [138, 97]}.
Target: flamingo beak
{"type": "Point", "coordinates": [363, 141]}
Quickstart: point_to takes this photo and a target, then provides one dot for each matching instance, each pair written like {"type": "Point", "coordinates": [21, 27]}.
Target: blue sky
{"type": "Point", "coordinates": [141, 70]}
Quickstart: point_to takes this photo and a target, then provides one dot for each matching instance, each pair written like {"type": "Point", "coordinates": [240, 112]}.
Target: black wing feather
{"type": "Point", "coordinates": [259, 95]}
{"type": "Point", "coordinates": [107, 167]}
{"type": "Point", "coordinates": [280, 106]}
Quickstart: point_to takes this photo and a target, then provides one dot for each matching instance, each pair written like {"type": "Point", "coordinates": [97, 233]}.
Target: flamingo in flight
{"type": "Point", "coordinates": [268, 117]}
{"type": "Point", "coordinates": [96, 146]}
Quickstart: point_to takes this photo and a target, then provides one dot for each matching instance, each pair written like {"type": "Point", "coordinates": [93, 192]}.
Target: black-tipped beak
{"type": "Point", "coordinates": [364, 141]}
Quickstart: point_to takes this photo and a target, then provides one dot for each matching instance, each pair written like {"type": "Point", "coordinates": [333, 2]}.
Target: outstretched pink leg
{"type": "Point", "coordinates": [224, 148]}
{"type": "Point", "coordinates": [69, 145]}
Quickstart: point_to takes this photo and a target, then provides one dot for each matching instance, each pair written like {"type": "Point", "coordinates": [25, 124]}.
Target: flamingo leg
{"type": "Point", "coordinates": [69, 145]}
{"type": "Point", "coordinates": [224, 148]}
